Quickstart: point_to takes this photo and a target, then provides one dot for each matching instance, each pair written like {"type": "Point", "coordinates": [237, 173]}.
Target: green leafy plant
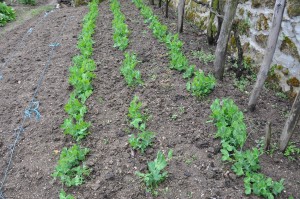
{"type": "Point", "coordinates": [156, 173]}
{"type": "Point", "coordinates": [121, 31]}
{"type": "Point", "coordinates": [131, 75]}
{"type": "Point", "coordinates": [292, 151]}
{"type": "Point", "coordinates": [7, 14]}
{"type": "Point", "coordinates": [69, 169]}
{"type": "Point", "coordinates": [142, 141]}
{"type": "Point", "coordinates": [63, 195]}
{"type": "Point", "coordinates": [232, 131]}
{"type": "Point", "coordinates": [137, 118]}
{"type": "Point", "coordinates": [28, 2]}
{"type": "Point", "coordinates": [260, 185]}
{"type": "Point", "coordinates": [189, 72]}
{"type": "Point", "coordinates": [201, 85]}
{"type": "Point", "coordinates": [204, 57]}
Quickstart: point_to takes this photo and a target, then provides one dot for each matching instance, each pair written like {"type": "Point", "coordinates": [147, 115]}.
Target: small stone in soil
{"type": "Point", "coordinates": [110, 176]}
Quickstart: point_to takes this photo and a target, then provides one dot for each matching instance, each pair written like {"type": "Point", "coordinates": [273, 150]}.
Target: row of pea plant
{"type": "Point", "coordinates": [143, 138]}
{"type": "Point", "coordinates": [141, 141]}
{"type": "Point", "coordinates": [231, 129]}
{"type": "Point", "coordinates": [71, 169]}
{"type": "Point", "coordinates": [201, 85]}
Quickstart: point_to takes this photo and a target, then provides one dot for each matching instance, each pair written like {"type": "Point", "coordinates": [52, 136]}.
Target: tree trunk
{"type": "Point", "coordinates": [220, 19]}
{"type": "Point", "coordinates": [212, 15]}
{"type": "Point", "coordinates": [269, 52]}
{"type": "Point", "coordinates": [290, 124]}
{"type": "Point", "coordinates": [159, 3]}
{"type": "Point", "coordinates": [151, 2]}
{"type": "Point", "coordinates": [180, 16]}
{"type": "Point", "coordinates": [230, 10]}
{"type": "Point", "coordinates": [167, 8]}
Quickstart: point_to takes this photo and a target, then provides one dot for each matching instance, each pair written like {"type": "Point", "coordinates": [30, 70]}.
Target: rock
{"type": "Point", "coordinates": [120, 134]}
{"type": "Point", "coordinates": [202, 145]}
{"type": "Point", "coordinates": [187, 174]}
{"type": "Point", "coordinates": [110, 176]}
{"type": "Point", "coordinates": [232, 176]}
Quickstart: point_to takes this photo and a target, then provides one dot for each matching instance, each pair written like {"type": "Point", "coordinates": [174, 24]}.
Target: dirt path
{"type": "Point", "coordinates": [177, 118]}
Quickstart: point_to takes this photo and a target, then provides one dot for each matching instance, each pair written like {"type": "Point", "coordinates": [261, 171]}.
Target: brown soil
{"type": "Point", "coordinates": [195, 171]}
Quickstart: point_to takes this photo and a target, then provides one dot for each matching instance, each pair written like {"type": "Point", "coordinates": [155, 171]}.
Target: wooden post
{"type": "Point", "coordinates": [269, 52]}
{"type": "Point", "coordinates": [290, 124]}
{"type": "Point", "coordinates": [167, 8]}
{"type": "Point", "coordinates": [230, 10]}
{"type": "Point", "coordinates": [180, 15]}
{"type": "Point", "coordinates": [267, 144]}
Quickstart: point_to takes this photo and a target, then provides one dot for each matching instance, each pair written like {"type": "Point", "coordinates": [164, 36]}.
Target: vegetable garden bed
{"type": "Point", "coordinates": [177, 118]}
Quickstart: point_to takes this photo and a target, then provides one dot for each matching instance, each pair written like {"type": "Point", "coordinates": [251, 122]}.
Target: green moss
{"type": "Point", "coordinates": [190, 15]}
{"type": "Point", "coordinates": [261, 39]}
{"type": "Point", "coordinates": [293, 82]}
{"type": "Point", "coordinates": [293, 8]}
{"type": "Point", "coordinates": [241, 11]}
{"type": "Point", "coordinates": [290, 48]}
{"type": "Point", "coordinates": [256, 3]}
{"type": "Point", "coordinates": [244, 27]}
{"type": "Point", "coordinates": [246, 47]}
{"type": "Point", "coordinates": [262, 22]}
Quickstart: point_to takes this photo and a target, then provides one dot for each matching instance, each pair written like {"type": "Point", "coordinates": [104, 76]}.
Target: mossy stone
{"type": "Point", "coordinates": [262, 40]}
{"type": "Point", "coordinates": [290, 48]}
{"type": "Point", "coordinates": [293, 82]}
{"type": "Point", "coordinates": [293, 8]}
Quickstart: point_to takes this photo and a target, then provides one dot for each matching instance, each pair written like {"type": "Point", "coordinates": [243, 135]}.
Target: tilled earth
{"type": "Point", "coordinates": [178, 119]}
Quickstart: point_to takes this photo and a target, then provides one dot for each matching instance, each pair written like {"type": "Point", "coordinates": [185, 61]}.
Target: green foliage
{"type": "Point", "coordinates": [63, 195]}
{"type": "Point", "coordinates": [138, 119]}
{"type": "Point", "coordinates": [142, 141]}
{"type": "Point", "coordinates": [292, 151]}
{"type": "Point", "coordinates": [260, 185]}
{"type": "Point", "coordinates": [232, 131]}
{"type": "Point", "coordinates": [204, 57]}
{"type": "Point", "coordinates": [7, 14]}
{"type": "Point", "coordinates": [201, 85]}
{"type": "Point", "coordinates": [132, 76]}
{"type": "Point", "coordinates": [68, 169]}
{"type": "Point", "coordinates": [156, 173]}
{"type": "Point", "coordinates": [28, 2]}
{"type": "Point", "coordinates": [246, 162]}
{"type": "Point", "coordinates": [189, 72]}
{"type": "Point", "coordinates": [121, 31]}
{"type": "Point", "coordinates": [144, 138]}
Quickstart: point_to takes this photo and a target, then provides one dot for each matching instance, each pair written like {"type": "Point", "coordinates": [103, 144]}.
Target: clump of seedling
{"type": "Point", "coordinates": [204, 57]}
{"type": "Point", "coordinates": [131, 75]}
{"type": "Point", "coordinates": [292, 151]}
{"type": "Point", "coordinates": [121, 31]}
{"type": "Point", "coordinates": [69, 169]}
{"type": "Point", "coordinates": [144, 138]}
{"type": "Point", "coordinates": [231, 128]}
{"type": "Point", "coordinates": [156, 173]}
{"type": "Point", "coordinates": [201, 85]}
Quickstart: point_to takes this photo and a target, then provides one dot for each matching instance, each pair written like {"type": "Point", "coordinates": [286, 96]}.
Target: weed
{"type": "Point", "coordinates": [68, 169]}
{"type": "Point", "coordinates": [201, 85]}
{"type": "Point", "coordinates": [28, 2]}
{"type": "Point", "coordinates": [281, 95]}
{"type": "Point", "coordinates": [156, 173]}
{"type": "Point", "coordinates": [174, 116]}
{"type": "Point", "coordinates": [242, 83]}
{"type": "Point", "coordinates": [132, 76]}
{"type": "Point", "coordinates": [292, 151]}
{"type": "Point", "coordinates": [189, 72]}
{"type": "Point", "coordinates": [204, 57]}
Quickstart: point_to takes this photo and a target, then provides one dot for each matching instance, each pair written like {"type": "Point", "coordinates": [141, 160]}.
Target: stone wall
{"type": "Point", "coordinates": [256, 17]}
